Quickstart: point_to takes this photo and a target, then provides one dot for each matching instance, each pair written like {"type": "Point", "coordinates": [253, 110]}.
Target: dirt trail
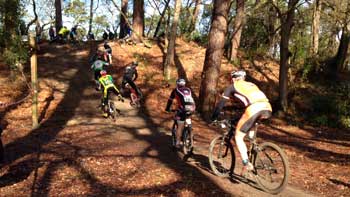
{"type": "Point", "coordinates": [77, 152]}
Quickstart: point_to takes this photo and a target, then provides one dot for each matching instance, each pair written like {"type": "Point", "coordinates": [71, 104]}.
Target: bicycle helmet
{"type": "Point", "coordinates": [103, 72]}
{"type": "Point", "coordinates": [180, 82]}
{"type": "Point", "coordinates": [134, 63]}
{"type": "Point", "coordinates": [240, 74]}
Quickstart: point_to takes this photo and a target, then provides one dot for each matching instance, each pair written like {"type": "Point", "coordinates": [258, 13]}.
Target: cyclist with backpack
{"type": "Point", "coordinates": [97, 67]}
{"type": "Point", "coordinates": [185, 106]}
{"type": "Point", "coordinates": [107, 86]}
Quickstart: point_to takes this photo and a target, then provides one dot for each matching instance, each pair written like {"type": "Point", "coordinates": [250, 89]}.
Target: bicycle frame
{"type": "Point", "coordinates": [187, 127]}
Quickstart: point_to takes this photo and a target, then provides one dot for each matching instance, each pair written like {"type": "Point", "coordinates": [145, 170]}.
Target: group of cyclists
{"type": "Point", "coordinates": [257, 105]}
{"type": "Point", "coordinates": [105, 83]}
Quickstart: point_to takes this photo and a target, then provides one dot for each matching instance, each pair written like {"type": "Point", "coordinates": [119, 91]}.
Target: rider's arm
{"type": "Point", "coordinates": [225, 97]}
{"type": "Point", "coordinates": [170, 100]}
{"type": "Point", "coordinates": [135, 75]}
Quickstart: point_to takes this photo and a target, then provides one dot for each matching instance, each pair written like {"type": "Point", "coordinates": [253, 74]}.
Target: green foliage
{"type": "Point", "coordinates": [100, 22]}
{"type": "Point", "coordinates": [15, 54]}
{"type": "Point", "coordinates": [333, 108]}
{"type": "Point", "coordinates": [255, 35]}
{"type": "Point", "coordinates": [197, 37]}
{"type": "Point", "coordinates": [77, 11]}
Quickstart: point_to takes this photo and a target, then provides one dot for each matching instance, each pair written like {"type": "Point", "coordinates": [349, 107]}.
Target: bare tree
{"type": "Point", "coordinates": [213, 56]}
{"type": "Point", "coordinates": [194, 16]}
{"type": "Point", "coordinates": [161, 18]}
{"type": "Point", "coordinates": [169, 60]}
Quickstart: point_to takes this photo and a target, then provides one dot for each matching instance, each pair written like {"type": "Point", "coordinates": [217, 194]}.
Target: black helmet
{"type": "Point", "coordinates": [134, 63]}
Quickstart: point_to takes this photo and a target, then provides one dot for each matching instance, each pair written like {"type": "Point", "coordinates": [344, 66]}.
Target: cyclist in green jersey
{"type": "Point", "coordinates": [107, 86]}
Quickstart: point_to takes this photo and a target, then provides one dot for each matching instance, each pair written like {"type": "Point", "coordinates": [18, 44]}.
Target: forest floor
{"type": "Point", "coordinates": [76, 152]}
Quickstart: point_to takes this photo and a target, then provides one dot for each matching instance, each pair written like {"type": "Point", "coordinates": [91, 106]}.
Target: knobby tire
{"type": "Point", "coordinates": [221, 157]}
{"type": "Point", "coordinates": [271, 167]}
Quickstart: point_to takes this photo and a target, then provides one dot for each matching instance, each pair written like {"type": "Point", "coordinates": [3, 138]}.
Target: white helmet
{"type": "Point", "coordinates": [180, 82]}
{"type": "Point", "coordinates": [238, 74]}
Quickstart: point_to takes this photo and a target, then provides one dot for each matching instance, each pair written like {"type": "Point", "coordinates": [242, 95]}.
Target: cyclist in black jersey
{"type": "Point", "coordinates": [130, 75]}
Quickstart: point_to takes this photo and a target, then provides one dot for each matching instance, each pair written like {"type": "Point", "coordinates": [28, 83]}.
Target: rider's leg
{"type": "Point", "coordinates": [133, 85]}
{"type": "Point", "coordinates": [239, 136]}
{"type": "Point", "coordinates": [180, 127]}
{"type": "Point", "coordinates": [180, 116]}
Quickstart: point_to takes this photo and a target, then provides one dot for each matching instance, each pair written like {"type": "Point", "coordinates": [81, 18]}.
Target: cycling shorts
{"type": "Point", "coordinates": [259, 110]}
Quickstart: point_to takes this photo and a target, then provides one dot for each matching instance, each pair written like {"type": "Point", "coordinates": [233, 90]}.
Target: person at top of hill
{"type": "Point", "coordinates": [257, 107]}
{"type": "Point", "coordinates": [63, 32]}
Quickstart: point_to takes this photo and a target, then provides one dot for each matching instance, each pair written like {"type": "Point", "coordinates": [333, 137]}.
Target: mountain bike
{"type": "Point", "coordinates": [187, 135]}
{"type": "Point", "coordinates": [271, 167]}
{"type": "Point", "coordinates": [135, 100]}
{"type": "Point", "coordinates": [111, 110]}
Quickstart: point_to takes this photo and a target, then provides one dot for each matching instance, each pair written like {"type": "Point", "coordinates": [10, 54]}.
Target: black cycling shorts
{"type": "Point", "coordinates": [263, 114]}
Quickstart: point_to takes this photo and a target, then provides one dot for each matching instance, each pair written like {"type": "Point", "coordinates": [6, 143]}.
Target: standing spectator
{"type": "Point", "coordinates": [91, 36]}
{"type": "Point", "coordinates": [38, 31]}
{"type": "Point", "coordinates": [105, 35]}
{"type": "Point", "coordinates": [110, 35]}
{"type": "Point", "coordinates": [63, 33]}
{"type": "Point", "coordinates": [52, 33]}
{"type": "Point", "coordinates": [73, 33]}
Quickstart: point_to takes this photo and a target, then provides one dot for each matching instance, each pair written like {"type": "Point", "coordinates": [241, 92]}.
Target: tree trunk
{"type": "Point", "coordinates": [192, 26]}
{"type": "Point", "coordinates": [271, 28]}
{"type": "Point", "coordinates": [286, 28]}
{"type": "Point", "coordinates": [91, 16]}
{"type": "Point", "coordinates": [341, 56]}
{"type": "Point", "coordinates": [237, 28]}
{"type": "Point", "coordinates": [161, 18]}
{"type": "Point", "coordinates": [213, 56]}
{"type": "Point", "coordinates": [138, 21]}
{"type": "Point", "coordinates": [169, 60]}
{"type": "Point", "coordinates": [123, 23]}
{"type": "Point", "coordinates": [58, 20]}
{"type": "Point", "coordinates": [167, 27]}
{"type": "Point", "coordinates": [315, 26]}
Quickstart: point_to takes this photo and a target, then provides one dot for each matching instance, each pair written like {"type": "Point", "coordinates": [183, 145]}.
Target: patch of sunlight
{"type": "Point", "coordinates": [144, 131]}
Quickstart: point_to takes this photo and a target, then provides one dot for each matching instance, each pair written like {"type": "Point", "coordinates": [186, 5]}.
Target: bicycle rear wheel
{"type": "Point", "coordinates": [135, 101]}
{"type": "Point", "coordinates": [271, 167]}
{"type": "Point", "coordinates": [221, 157]}
{"type": "Point", "coordinates": [187, 147]}
{"type": "Point", "coordinates": [112, 110]}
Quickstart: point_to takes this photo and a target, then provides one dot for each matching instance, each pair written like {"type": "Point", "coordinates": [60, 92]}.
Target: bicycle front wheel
{"type": "Point", "coordinates": [272, 168]}
{"type": "Point", "coordinates": [221, 157]}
